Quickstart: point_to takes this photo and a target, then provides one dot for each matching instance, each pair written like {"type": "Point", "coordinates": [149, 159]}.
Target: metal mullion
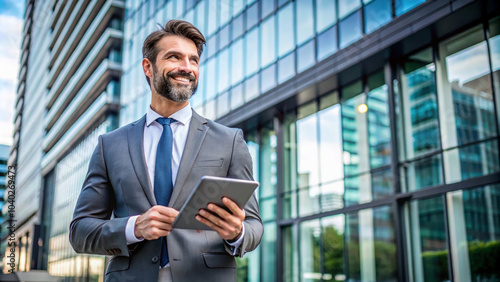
{"type": "Point", "coordinates": [447, 232]}
{"type": "Point", "coordinates": [398, 219]}
{"type": "Point", "coordinates": [278, 131]}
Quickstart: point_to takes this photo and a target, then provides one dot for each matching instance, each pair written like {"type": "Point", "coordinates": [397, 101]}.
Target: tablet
{"type": "Point", "coordinates": [212, 189]}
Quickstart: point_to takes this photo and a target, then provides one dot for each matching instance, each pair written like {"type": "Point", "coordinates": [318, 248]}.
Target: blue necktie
{"type": "Point", "coordinates": [163, 185]}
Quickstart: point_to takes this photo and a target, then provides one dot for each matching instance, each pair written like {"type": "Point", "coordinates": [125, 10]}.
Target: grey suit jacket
{"type": "Point", "coordinates": [117, 187]}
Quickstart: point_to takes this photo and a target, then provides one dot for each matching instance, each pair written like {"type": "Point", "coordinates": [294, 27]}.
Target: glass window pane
{"type": "Point", "coordinates": [222, 104]}
{"type": "Point", "coordinates": [465, 97]}
{"type": "Point", "coordinates": [237, 71]}
{"type": "Point", "coordinates": [422, 173]}
{"type": "Point", "coordinates": [286, 68]}
{"type": "Point", "coordinates": [474, 221]}
{"type": "Point", "coordinates": [237, 26]}
{"type": "Point", "coordinates": [332, 196]}
{"type": "Point", "coordinates": [252, 15]}
{"type": "Point", "coordinates": [212, 18]}
{"type": "Point", "coordinates": [350, 29]}
{"type": "Point", "coordinates": [471, 161]}
{"type": "Point", "coordinates": [429, 252]}
{"type": "Point", "coordinates": [267, 7]}
{"type": "Point", "coordinates": [377, 14]}
{"type": "Point", "coordinates": [225, 12]}
{"type": "Point", "coordinates": [304, 15]}
{"type": "Point", "coordinates": [252, 52]}
{"type": "Point", "coordinates": [268, 78]}
{"type": "Point", "coordinates": [286, 34]}
{"type": "Point", "coordinates": [310, 252]}
{"type": "Point", "coordinates": [327, 43]}
{"type": "Point", "coordinates": [290, 255]}
{"type": "Point", "coordinates": [306, 56]}
{"type": "Point", "coordinates": [268, 247]}
{"type": "Point", "coordinates": [238, 6]}
{"type": "Point", "coordinates": [403, 6]}
{"type": "Point", "coordinates": [418, 113]}
{"type": "Point", "coordinates": [211, 78]}
{"type": "Point", "coordinates": [382, 184]}
{"type": "Point", "coordinates": [354, 130]}
{"type": "Point", "coordinates": [268, 54]}
{"type": "Point", "coordinates": [237, 96]}
{"type": "Point", "coordinates": [223, 75]}
{"type": "Point", "coordinates": [379, 130]}
{"type": "Point", "coordinates": [330, 143]}
{"type": "Point", "coordinates": [200, 17]}
{"type": "Point", "coordinates": [252, 87]}
{"type": "Point", "coordinates": [268, 162]}
{"type": "Point", "coordinates": [348, 6]}
{"type": "Point", "coordinates": [223, 37]}
{"type": "Point", "coordinates": [326, 14]}
{"type": "Point", "coordinates": [371, 245]}
{"type": "Point", "coordinates": [309, 200]}
{"type": "Point", "coordinates": [332, 233]}
{"type": "Point", "coordinates": [307, 146]}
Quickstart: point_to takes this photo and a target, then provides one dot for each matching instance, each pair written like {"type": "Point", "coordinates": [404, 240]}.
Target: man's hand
{"type": "Point", "coordinates": [155, 223]}
{"type": "Point", "coordinates": [227, 225]}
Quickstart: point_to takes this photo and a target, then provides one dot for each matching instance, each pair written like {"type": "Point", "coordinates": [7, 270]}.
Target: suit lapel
{"type": "Point", "coordinates": [136, 150]}
{"type": "Point", "coordinates": [196, 135]}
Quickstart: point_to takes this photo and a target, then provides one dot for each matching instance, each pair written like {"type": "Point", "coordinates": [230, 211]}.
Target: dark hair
{"type": "Point", "coordinates": [172, 27]}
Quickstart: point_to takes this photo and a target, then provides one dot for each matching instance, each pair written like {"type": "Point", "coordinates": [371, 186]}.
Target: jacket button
{"type": "Point", "coordinates": [154, 259]}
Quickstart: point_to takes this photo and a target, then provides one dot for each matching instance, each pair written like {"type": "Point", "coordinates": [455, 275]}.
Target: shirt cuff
{"type": "Point", "coordinates": [236, 244]}
{"type": "Point", "coordinates": [129, 231]}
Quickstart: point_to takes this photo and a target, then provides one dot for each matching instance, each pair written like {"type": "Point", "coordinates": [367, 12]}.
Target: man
{"type": "Point", "coordinates": [141, 174]}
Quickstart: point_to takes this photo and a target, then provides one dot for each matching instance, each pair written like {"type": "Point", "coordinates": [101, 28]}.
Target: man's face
{"type": "Point", "coordinates": [175, 73]}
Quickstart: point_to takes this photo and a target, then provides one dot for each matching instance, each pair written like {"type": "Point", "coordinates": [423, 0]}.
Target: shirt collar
{"type": "Point", "coordinates": [183, 115]}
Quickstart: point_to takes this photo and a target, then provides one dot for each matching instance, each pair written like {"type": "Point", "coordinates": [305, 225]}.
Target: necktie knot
{"type": "Point", "coordinates": [165, 121]}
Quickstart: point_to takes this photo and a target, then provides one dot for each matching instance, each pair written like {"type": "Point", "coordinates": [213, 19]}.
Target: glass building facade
{"type": "Point", "coordinates": [373, 127]}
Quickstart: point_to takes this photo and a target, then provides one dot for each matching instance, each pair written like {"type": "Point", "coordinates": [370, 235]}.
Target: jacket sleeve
{"type": "Point", "coordinates": [93, 230]}
{"type": "Point", "coordinates": [241, 167]}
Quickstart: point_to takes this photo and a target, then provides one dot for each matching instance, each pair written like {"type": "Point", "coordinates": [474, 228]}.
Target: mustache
{"type": "Point", "coordinates": [186, 75]}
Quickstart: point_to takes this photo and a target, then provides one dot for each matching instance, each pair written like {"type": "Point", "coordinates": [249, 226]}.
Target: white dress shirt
{"type": "Point", "coordinates": [151, 137]}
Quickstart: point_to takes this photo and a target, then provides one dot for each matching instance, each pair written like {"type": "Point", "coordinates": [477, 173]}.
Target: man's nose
{"type": "Point", "coordinates": [185, 66]}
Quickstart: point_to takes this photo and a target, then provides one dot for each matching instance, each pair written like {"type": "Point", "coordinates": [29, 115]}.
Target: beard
{"type": "Point", "coordinates": [178, 93]}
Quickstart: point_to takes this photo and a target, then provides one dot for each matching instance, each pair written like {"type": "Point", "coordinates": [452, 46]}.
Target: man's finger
{"type": "Point", "coordinates": [233, 207]}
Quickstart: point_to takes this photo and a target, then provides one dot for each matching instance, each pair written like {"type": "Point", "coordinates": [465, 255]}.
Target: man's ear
{"type": "Point", "coordinates": [147, 67]}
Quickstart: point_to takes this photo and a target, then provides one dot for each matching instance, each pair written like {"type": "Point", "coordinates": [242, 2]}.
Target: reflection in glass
{"type": "Point", "coordinates": [286, 35]}
{"type": "Point", "coordinates": [305, 56]}
{"type": "Point", "coordinates": [466, 96]}
{"type": "Point", "coordinates": [378, 121]}
{"type": "Point", "coordinates": [354, 130]}
{"type": "Point", "coordinates": [422, 173]}
{"type": "Point", "coordinates": [475, 221]}
{"type": "Point", "coordinates": [252, 52]}
{"type": "Point", "coordinates": [290, 255]}
{"type": "Point", "coordinates": [236, 96]}
{"type": "Point", "coordinates": [348, 6]}
{"type": "Point", "coordinates": [403, 6]}
{"type": "Point", "coordinates": [327, 43]}
{"type": "Point", "coordinates": [310, 252]}
{"type": "Point", "coordinates": [268, 248]}
{"type": "Point", "coordinates": [326, 14]}
{"type": "Point", "coordinates": [304, 16]}
{"type": "Point", "coordinates": [377, 14]}
{"type": "Point", "coordinates": [252, 87]}
{"type": "Point", "coordinates": [286, 68]}
{"type": "Point", "coordinates": [210, 82]}
{"type": "Point", "coordinates": [494, 42]}
{"type": "Point", "coordinates": [267, 44]}
{"type": "Point", "coordinates": [418, 113]}
{"type": "Point", "coordinates": [332, 196]}
{"type": "Point", "coordinates": [333, 247]}
{"type": "Point", "coordinates": [237, 27]}
{"type": "Point", "coordinates": [237, 71]}
{"type": "Point", "coordinates": [223, 69]}
{"type": "Point", "coordinates": [268, 78]}
{"type": "Point", "coordinates": [307, 146]}
{"type": "Point", "coordinates": [268, 162]}
{"type": "Point", "coordinates": [252, 15]}
{"type": "Point", "coordinates": [371, 245]}
{"type": "Point", "coordinates": [382, 183]}
{"type": "Point", "coordinates": [471, 161]}
{"type": "Point", "coordinates": [429, 252]}
{"type": "Point", "coordinates": [309, 200]}
{"type": "Point", "coordinates": [350, 29]}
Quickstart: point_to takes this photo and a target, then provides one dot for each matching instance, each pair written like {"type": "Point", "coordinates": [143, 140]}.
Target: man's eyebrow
{"type": "Point", "coordinates": [168, 53]}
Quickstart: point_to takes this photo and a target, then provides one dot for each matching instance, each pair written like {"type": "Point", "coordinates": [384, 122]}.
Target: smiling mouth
{"type": "Point", "coordinates": [181, 79]}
